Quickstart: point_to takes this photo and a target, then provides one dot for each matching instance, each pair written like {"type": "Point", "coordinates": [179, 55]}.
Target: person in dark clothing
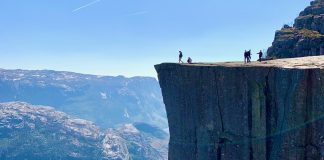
{"type": "Point", "coordinates": [260, 56]}
{"type": "Point", "coordinates": [189, 60]}
{"type": "Point", "coordinates": [180, 57]}
{"type": "Point", "coordinates": [245, 56]}
{"type": "Point", "coordinates": [249, 56]}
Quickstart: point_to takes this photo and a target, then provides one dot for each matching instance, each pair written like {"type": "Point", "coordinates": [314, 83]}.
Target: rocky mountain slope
{"type": "Point", "coordinates": [105, 100]}
{"type": "Point", "coordinates": [39, 132]}
{"type": "Point", "coordinates": [144, 142]}
{"type": "Point", "coordinates": [269, 110]}
{"type": "Point", "coordinates": [305, 38]}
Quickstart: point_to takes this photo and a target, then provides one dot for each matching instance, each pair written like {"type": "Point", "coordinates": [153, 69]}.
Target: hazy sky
{"type": "Point", "coordinates": [127, 37]}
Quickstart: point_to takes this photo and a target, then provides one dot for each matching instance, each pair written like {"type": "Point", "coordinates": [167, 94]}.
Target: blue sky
{"type": "Point", "coordinates": [127, 37]}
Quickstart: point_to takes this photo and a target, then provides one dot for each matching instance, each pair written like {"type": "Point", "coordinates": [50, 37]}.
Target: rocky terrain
{"type": "Point", "coordinates": [305, 38]}
{"type": "Point", "coordinates": [105, 100]}
{"type": "Point", "coordinates": [144, 142]}
{"type": "Point", "coordinates": [269, 110]}
{"type": "Point", "coordinates": [39, 132]}
{"type": "Point", "coordinates": [312, 17]}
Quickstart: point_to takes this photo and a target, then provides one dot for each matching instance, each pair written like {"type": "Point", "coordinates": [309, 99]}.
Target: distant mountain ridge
{"type": "Point", "coordinates": [39, 132]}
{"type": "Point", "coordinates": [105, 100]}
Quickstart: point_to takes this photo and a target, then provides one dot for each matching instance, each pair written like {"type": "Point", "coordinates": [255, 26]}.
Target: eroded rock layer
{"type": "Point", "coordinates": [305, 38]}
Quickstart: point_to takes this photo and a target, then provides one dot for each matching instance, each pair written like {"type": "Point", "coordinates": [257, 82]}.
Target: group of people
{"type": "Point", "coordinates": [247, 56]}
{"type": "Point", "coordinates": [180, 58]}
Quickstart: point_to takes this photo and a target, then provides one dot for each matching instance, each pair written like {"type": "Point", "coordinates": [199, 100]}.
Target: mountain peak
{"type": "Point", "coordinates": [315, 8]}
{"type": "Point", "coordinates": [305, 38]}
{"type": "Point", "coordinates": [312, 17]}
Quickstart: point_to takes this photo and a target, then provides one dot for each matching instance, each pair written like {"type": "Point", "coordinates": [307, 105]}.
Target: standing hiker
{"type": "Point", "coordinates": [180, 57]}
{"type": "Point", "coordinates": [249, 56]}
{"type": "Point", "coordinates": [245, 56]}
{"type": "Point", "coordinates": [260, 56]}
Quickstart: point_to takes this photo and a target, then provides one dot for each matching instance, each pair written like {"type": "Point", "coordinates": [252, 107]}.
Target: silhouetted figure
{"type": "Point", "coordinates": [189, 60]}
{"type": "Point", "coordinates": [245, 56]}
{"type": "Point", "coordinates": [260, 56]}
{"type": "Point", "coordinates": [249, 56]}
{"type": "Point", "coordinates": [180, 57]}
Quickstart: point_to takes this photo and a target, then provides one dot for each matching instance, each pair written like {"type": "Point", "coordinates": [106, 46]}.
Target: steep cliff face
{"type": "Point", "coordinates": [271, 110]}
{"type": "Point", "coordinates": [305, 38]}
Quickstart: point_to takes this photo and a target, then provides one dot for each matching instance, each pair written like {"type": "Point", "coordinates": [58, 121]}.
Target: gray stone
{"type": "Point", "coordinates": [226, 111]}
{"type": "Point", "coordinates": [305, 38]}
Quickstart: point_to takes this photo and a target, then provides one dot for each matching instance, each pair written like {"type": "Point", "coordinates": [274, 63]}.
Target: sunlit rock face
{"type": "Point", "coordinates": [269, 110]}
{"type": "Point", "coordinates": [305, 38]}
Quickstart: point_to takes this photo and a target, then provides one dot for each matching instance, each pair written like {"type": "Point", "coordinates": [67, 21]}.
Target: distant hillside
{"type": "Point", "coordinates": [105, 100]}
{"type": "Point", "coordinates": [38, 133]}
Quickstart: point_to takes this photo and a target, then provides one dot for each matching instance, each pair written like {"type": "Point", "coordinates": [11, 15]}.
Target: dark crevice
{"type": "Point", "coordinates": [196, 144]}
{"type": "Point", "coordinates": [250, 120]}
{"type": "Point", "coordinates": [219, 108]}
{"type": "Point", "coordinates": [268, 98]}
{"type": "Point", "coordinates": [308, 111]}
{"type": "Point", "coordinates": [220, 112]}
{"type": "Point", "coordinates": [199, 83]}
{"type": "Point", "coordinates": [219, 149]}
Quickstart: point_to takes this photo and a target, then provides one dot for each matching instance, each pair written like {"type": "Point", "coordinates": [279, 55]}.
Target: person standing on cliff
{"type": "Point", "coordinates": [260, 56]}
{"type": "Point", "coordinates": [180, 57]}
{"type": "Point", "coordinates": [245, 56]}
{"type": "Point", "coordinates": [249, 56]}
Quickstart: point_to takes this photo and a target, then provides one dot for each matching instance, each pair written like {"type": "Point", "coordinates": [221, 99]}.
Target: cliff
{"type": "Point", "coordinates": [305, 38]}
{"type": "Point", "coordinates": [228, 111]}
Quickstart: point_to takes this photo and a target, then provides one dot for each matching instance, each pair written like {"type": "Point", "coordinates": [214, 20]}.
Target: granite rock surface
{"type": "Point", "coordinates": [224, 111]}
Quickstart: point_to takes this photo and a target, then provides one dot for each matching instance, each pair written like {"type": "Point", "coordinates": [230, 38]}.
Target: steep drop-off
{"type": "Point", "coordinates": [305, 38]}
{"type": "Point", "coordinates": [229, 111]}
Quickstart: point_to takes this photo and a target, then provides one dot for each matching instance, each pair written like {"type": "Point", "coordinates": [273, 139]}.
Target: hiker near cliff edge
{"type": "Point", "coordinates": [260, 56]}
{"type": "Point", "coordinates": [189, 60]}
{"type": "Point", "coordinates": [180, 57]}
{"type": "Point", "coordinates": [245, 56]}
{"type": "Point", "coordinates": [249, 56]}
